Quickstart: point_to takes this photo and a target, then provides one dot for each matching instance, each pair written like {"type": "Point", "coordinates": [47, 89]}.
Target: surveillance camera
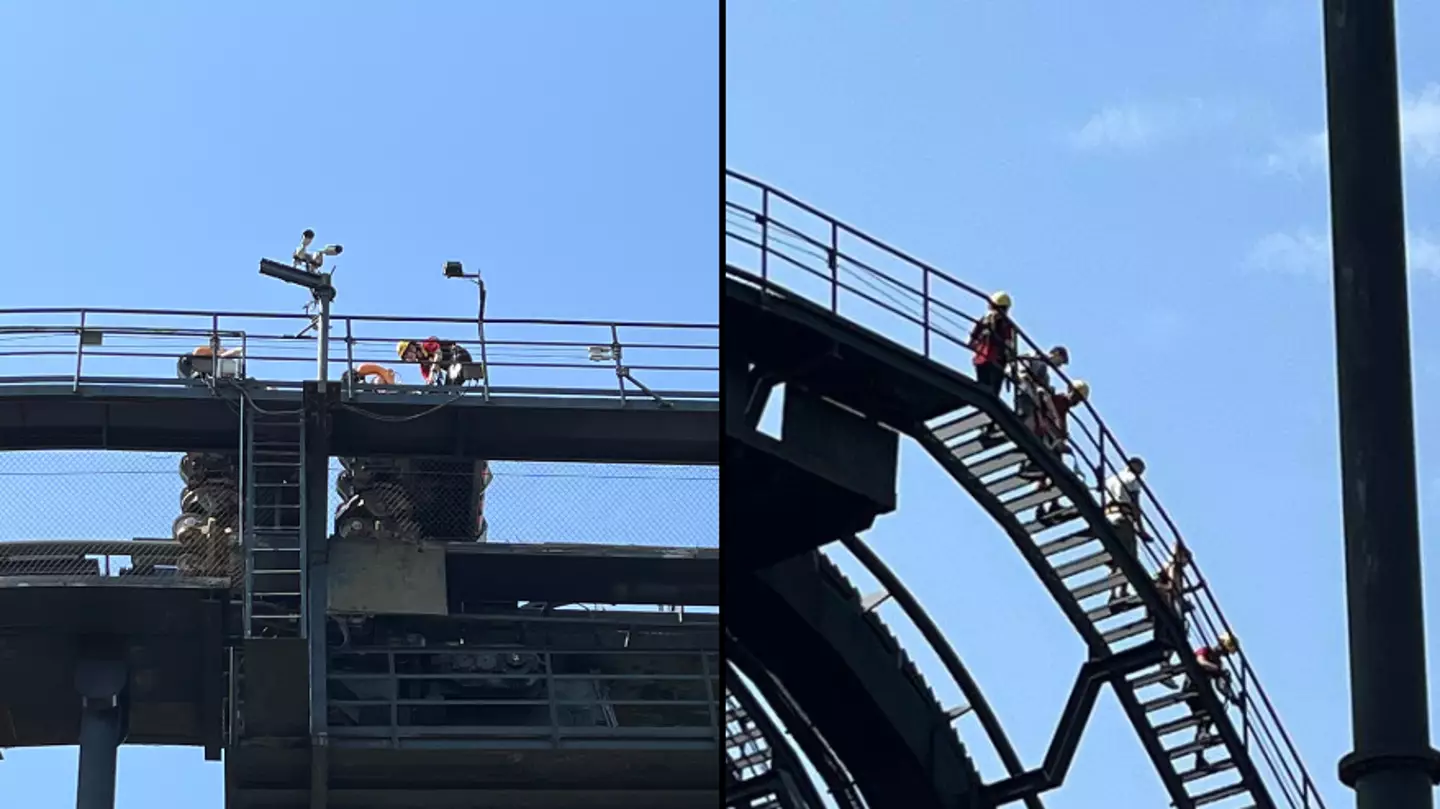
{"type": "Point", "coordinates": [332, 249]}
{"type": "Point", "coordinates": [306, 237]}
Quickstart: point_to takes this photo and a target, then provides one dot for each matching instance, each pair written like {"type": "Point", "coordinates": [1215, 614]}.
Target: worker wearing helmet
{"type": "Point", "coordinates": [1122, 511]}
{"type": "Point", "coordinates": [1210, 660]}
{"type": "Point", "coordinates": [993, 343]}
{"type": "Point", "coordinates": [442, 362]}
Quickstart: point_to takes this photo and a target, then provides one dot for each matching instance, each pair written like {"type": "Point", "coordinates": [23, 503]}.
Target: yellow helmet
{"type": "Point", "coordinates": [401, 348]}
{"type": "Point", "coordinates": [1000, 300]}
{"type": "Point", "coordinates": [1228, 642]}
{"type": "Point", "coordinates": [1081, 388]}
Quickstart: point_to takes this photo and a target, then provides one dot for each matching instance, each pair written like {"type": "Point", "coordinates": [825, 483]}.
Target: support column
{"type": "Point", "coordinates": [101, 681]}
{"type": "Point", "coordinates": [1393, 765]}
{"type": "Point", "coordinates": [317, 399]}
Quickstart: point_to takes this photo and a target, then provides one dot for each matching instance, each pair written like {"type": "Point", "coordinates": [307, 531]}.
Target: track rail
{"type": "Point", "coordinates": [797, 251]}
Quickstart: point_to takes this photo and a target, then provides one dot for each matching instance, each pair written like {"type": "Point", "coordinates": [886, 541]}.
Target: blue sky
{"type": "Point", "coordinates": [149, 157]}
{"type": "Point", "coordinates": [1149, 185]}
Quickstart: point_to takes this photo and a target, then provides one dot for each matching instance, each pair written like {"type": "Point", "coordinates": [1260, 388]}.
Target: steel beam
{"type": "Point", "coordinates": [316, 402]}
{"type": "Point", "coordinates": [1393, 765]}
{"type": "Point", "coordinates": [101, 681]}
{"type": "Point", "coordinates": [1092, 677]}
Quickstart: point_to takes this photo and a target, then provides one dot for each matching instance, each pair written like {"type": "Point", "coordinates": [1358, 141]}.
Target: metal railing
{"type": "Point", "coordinates": [787, 247]}
{"type": "Point", "coordinates": [553, 697]}
{"type": "Point", "coordinates": [84, 347]}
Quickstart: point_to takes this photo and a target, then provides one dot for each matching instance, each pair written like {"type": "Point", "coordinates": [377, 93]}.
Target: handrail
{"type": "Point", "coordinates": [795, 247]}
{"type": "Point", "coordinates": [634, 355]}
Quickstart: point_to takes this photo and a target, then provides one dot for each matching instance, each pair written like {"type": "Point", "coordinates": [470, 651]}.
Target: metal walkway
{"type": "Point", "coordinates": [788, 261]}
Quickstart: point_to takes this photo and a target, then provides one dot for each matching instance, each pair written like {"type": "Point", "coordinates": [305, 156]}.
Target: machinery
{"type": "Point", "coordinates": [208, 526]}
{"type": "Point", "coordinates": [412, 499]}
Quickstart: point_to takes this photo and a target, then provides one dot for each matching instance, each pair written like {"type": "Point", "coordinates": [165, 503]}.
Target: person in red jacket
{"type": "Point", "coordinates": [442, 362]}
{"type": "Point", "coordinates": [1209, 658]}
{"type": "Point", "coordinates": [993, 343]}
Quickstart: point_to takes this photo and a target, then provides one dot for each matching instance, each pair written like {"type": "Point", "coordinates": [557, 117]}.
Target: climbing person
{"type": "Point", "coordinates": [442, 362]}
{"type": "Point", "coordinates": [1122, 511]}
{"type": "Point", "coordinates": [1209, 658]}
{"type": "Point", "coordinates": [1054, 420]}
{"type": "Point", "coordinates": [1032, 387]}
{"type": "Point", "coordinates": [993, 343]}
{"type": "Point", "coordinates": [1170, 581]}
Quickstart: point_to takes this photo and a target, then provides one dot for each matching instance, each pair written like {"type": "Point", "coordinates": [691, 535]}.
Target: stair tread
{"type": "Point", "coordinates": [1211, 768]}
{"type": "Point", "coordinates": [1220, 794]}
{"type": "Point", "coordinates": [1083, 564]}
{"type": "Point", "coordinates": [1065, 543]}
{"type": "Point", "coordinates": [1098, 586]}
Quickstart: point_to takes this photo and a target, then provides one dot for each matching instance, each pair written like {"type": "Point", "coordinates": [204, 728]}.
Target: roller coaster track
{"type": "Point", "coordinates": [783, 254]}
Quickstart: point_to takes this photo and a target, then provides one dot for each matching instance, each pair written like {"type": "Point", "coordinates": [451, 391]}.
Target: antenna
{"type": "Point", "coordinates": [304, 271]}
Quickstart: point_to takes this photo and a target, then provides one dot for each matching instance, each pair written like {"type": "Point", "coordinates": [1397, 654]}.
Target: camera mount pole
{"type": "Point", "coordinates": [323, 296]}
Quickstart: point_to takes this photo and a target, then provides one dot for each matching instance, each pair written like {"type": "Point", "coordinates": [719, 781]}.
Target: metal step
{"type": "Point", "coordinates": [1159, 676]}
{"type": "Point", "coordinates": [1067, 542]}
{"type": "Point", "coordinates": [1005, 459]}
{"type": "Point", "coordinates": [1191, 748]}
{"type": "Point", "coordinates": [1084, 563]}
{"type": "Point", "coordinates": [1065, 515]}
{"type": "Point", "coordinates": [1009, 484]}
{"type": "Point", "coordinates": [1128, 631]}
{"type": "Point", "coordinates": [1098, 586]}
{"type": "Point", "coordinates": [1210, 769]}
{"type": "Point", "coordinates": [1177, 725]}
{"type": "Point", "coordinates": [1163, 702]}
{"type": "Point", "coordinates": [1220, 794]}
{"type": "Point", "coordinates": [1112, 608]}
{"type": "Point", "coordinates": [954, 429]}
{"type": "Point", "coordinates": [1032, 499]}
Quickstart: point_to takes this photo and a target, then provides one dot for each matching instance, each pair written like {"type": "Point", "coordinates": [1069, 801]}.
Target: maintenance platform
{"type": "Point", "coordinates": [376, 655]}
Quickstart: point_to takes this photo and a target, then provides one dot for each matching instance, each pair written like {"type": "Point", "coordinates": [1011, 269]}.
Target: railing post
{"type": "Point", "coordinates": [764, 234]}
{"type": "Point", "coordinates": [1244, 707]}
{"type": "Point", "coordinates": [834, 260]}
{"type": "Point", "coordinates": [79, 352]}
{"type": "Point", "coordinates": [619, 363]}
{"type": "Point", "coordinates": [925, 307]}
{"type": "Point", "coordinates": [349, 360]}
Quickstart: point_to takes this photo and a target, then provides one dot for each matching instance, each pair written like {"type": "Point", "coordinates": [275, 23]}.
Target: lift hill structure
{"type": "Point", "coordinates": [400, 675]}
{"type": "Point", "coordinates": [799, 284]}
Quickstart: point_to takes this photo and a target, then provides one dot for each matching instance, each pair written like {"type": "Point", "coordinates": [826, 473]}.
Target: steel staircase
{"type": "Point", "coordinates": [779, 245]}
{"type": "Point", "coordinates": [270, 469]}
{"type": "Point", "coordinates": [757, 775]}
{"type": "Point", "coordinates": [1068, 550]}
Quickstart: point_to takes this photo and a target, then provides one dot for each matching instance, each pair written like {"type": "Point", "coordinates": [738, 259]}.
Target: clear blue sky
{"type": "Point", "coordinates": [1148, 183]}
{"type": "Point", "coordinates": [149, 156]}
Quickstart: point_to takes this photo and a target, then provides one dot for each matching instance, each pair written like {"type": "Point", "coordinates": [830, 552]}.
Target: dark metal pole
{"type": "Point", "coordinates": [316, 400]}
{"type": "Point", "coordinates": [1393, 765]}
{"type": "Point", "coordinates": [102, 686]}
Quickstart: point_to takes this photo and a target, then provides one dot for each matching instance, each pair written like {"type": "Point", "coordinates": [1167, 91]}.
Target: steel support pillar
{"type": "Point", "coordinates": [1393, 765]}
{"type": "Point", "coordinates": [102, 682]}
{"type": "Point", "coordinates": [317, 400]}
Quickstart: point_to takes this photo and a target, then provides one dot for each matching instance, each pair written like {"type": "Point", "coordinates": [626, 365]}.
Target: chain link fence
{"type": "Point", "coordinates": [88, 513]}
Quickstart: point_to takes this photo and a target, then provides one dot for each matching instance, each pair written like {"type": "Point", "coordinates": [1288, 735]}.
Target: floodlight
{"type": "Point", "coordinates": [453, 269]}
{"type": "Point", "coordinates": [313, 281]}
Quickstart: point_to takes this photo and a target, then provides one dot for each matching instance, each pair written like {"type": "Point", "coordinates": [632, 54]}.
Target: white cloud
{"type": "Point", "coordinates": [1306, 253]}
{"type": "Point", "coordinates": [1298, 154]}
{"type": "Point", "coordinates": [1301, 252]}
{"type": "Point", "coordinates": [1419, 133]}
{"type": "Point", "coordinates": [1137, 126]}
